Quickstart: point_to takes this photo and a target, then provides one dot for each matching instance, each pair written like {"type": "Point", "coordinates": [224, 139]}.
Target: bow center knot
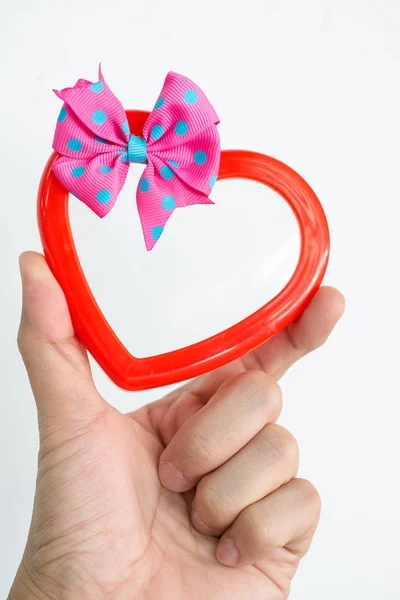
{"type": "Point", "coordinates": [137, 152]}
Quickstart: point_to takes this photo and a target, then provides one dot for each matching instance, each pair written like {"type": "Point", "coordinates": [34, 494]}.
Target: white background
{"type": "Point", "coordinates": [314, 83]}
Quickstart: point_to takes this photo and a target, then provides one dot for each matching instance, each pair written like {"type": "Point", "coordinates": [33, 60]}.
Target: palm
{"type": "Point", "coordinates": [113, 497]}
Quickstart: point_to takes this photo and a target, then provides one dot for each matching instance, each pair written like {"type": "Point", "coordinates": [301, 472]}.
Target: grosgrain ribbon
{"type": "Point", "coordinates": [180, 146]}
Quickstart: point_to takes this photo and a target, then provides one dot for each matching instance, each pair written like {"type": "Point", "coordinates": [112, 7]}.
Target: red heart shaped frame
{"type": "Point", "coordinates": [94, 331]}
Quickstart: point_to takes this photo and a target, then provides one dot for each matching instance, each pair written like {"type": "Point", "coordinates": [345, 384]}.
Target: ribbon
{"type": "Point", "coordinates": [180, 147]}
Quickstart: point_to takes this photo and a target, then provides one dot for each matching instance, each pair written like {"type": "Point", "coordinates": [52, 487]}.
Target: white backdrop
{"type": "Point", "coordinates": [314, 83]}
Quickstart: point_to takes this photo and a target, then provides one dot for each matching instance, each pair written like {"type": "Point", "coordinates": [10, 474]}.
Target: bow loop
{"type": "Point", "coordinates": [181, 113]}
{"type": "Point", "coordinates": [180, 145]}
{"type": "Point", "coordinates": [95, 112]}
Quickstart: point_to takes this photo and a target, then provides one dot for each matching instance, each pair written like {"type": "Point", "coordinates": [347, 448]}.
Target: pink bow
{"type": "Point", "coordinates": [180, 146]}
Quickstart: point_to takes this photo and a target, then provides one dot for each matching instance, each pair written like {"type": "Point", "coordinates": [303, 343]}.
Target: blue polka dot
{"type": "Point", "coordinates": [200, 157]}
{"type": "Point", "coordinates": [97, 87]}
{"type": "Point", "coordinates": [191, 96]}
{"type": "Point", "coordinates": [156, 232]}
{"type": "Point", "coordinates": [157, 132]}
{"type": "Point", "coordinates": [62, 116]}
{"type": "Point", "coordinates": [213, 179]}
{"type": "Point", "coordinates": [104, 196]}
{"type": "Point", "coordinates": [166, 172]}
{"type": "Point", "coordinates": [181, 128]}
{"type": "Point", "coordinates": [100, 140]}
{"type": "Point", "coordinates": [125, 127]}
{"type": "Point", "coordinates": [78, 171]}
{"type": "Point", "coordinates": [74, 145]}
{"type": "Point", "coordinates": [159, 102]}
{"type": "Point", "coordinates": [168, 203]}
{"type": "Point", "coordinates": [174, 163]}
{"type": "Point", "coordinates": [144, 184]}
{"type": "Point", "coordinates": [105, 169]}
{"type": "Point", "coordinates": [99, 117]}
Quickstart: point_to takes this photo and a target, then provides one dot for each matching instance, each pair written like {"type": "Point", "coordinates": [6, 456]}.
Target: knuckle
{"type": "Point", "coordinates": [259, 388]}
{"type": "Point", "coordinates": [213, 502]}
{"type": "Point", "coordinates": [283, 442]}
{"type": "Point", "coordinates": [22, 340]}
{"type": "Point", "coordinates": [308, 492]}
{"type": "Point", "coordinates": [26, 342]}
{"type": "Point", "coordinates": [259, 530]}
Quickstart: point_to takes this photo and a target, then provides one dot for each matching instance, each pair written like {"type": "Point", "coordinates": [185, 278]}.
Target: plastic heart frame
{"type": "Point", "coordinates": [94, 331]}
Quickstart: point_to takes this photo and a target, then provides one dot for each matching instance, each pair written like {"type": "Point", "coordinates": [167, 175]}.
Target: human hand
{"type": "Point", "coordinates": [105, 527]}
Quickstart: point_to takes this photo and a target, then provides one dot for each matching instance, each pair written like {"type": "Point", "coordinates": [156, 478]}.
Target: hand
{"type": "Point", "coordinates": [154, 504]}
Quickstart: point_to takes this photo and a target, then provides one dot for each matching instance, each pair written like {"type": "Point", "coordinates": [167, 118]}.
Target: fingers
{"type": "Point", "coordinates": [263, 465]}
{"type": "Point", "coordinates": [278, 354]}
{"type": "Point", "coordinates": [274, 357]}
{"type": "Point", "coordinates": [306, 334]}
{"type": "Point", "coordinates": [56, 362]}
{"type": "Point", "coordinates": [236, 413]}
{"type": "Point", "coordinates": [286, 518]}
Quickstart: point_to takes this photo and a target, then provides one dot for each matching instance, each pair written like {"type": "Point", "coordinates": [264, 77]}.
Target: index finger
{"type": "Point", "coordinates": [274, 357]}
{"type": "Point", "coordinates": [277, 355]}
{"type": "Point", "coordinates": [306, 334]}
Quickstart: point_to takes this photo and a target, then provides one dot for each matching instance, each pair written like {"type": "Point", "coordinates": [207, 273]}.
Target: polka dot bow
{"type": "Point", "coordinates": [180, 147]}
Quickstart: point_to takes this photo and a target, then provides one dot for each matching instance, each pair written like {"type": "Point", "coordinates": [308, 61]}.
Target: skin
{"type": "Point", "coordinates": [191, 497]}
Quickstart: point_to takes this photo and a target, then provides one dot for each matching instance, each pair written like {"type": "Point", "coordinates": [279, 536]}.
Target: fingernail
{"type": "Point", "coordinates": [21, 270]}
{"type": "Point", "coordinates": [199, 524]}
{"type": "Point", "coordinates": [24, 286]}
{"type": "Point", "coordinates": [171, 478]}
{"type": "Point", "coordinates": [227, 553]}
{"type": "Point", "coordinates": [22, 262]}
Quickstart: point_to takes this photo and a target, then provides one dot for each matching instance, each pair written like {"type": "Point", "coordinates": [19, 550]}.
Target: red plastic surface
{"type": "Point", "coordinates": [92, 327]}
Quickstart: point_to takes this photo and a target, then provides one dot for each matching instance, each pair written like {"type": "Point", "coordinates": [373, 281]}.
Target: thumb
{"type": "Point", "coordinates": [56, 362]}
